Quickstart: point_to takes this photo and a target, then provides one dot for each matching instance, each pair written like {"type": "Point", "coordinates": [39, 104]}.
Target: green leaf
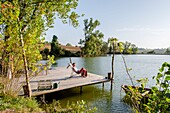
{"type": "Point", "coordinates": [164, 85]}
{"type": "Point", "coordinates": [164, 64]}
{"type": "Point", "coordinates": [168, 72]}
{"type": "Point", "coordinates": [161, 69]}
{"type": "Point", "coordinates": [168, 100]}
{"type": "Point", "coordinates": [155, 88]}
{"type": "Point", "coordinates": [159, 75]}
{"type": "Point", "coordinates": [167, 78]}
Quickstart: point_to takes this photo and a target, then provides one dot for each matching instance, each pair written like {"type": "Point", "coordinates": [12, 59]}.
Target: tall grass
{"type": "Point", "coordinates": [10, 87]}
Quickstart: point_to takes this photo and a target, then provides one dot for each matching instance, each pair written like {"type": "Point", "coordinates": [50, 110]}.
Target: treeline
{"type": "Point", "coordinates": [162, 51]}
{"type": "Point", "coordinates": [92, 44]}
{"type": "Point", "coordinates": [54, 48]}
{"type": "Point", "coordinates": [167, 51]}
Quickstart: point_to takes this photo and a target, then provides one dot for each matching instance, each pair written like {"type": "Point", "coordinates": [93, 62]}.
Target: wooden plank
{"type": "Point", "coordinates": [44, 84]}
{"type": "Point", "coordinates": [68, 87]}
{"type": "Point", "coordinates": [62, 75]}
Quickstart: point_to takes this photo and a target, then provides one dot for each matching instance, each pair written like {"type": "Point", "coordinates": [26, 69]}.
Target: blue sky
{"type": "Point", "coordinates": [145, 23]}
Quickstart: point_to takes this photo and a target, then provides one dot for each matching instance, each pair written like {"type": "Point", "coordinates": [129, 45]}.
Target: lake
{"type": "Point", "coordinates": [107, 101]}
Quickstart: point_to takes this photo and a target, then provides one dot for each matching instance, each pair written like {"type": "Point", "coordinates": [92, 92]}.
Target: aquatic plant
{"type": "Point", "coordinates": [79, 107]}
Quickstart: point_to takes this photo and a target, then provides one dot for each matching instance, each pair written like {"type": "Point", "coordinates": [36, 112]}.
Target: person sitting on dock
{"type": "Point", "coordinates": [82, 71]}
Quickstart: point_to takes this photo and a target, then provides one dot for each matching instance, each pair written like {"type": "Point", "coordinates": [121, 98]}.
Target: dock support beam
{"type": "Point", "coordinates": [42, 98]}
{"type": "Point", "coordinates": [111, 80]}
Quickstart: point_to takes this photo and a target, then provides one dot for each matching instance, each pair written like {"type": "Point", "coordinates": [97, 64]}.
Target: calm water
{"type": "Point", "coordinates": [105, 100]}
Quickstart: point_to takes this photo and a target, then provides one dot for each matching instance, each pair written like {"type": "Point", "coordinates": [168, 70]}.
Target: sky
{"type": "Point", "coordinates": [145, 23]}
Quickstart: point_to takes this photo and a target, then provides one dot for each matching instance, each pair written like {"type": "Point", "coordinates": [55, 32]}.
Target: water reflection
{"type": "Point", "coordinates": [95, 95]}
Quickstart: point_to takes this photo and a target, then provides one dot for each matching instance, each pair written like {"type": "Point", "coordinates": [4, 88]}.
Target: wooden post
{"type": "Point", "coordinates": [111, 84]}
{"type": "Point", "coordinates": [46, 65]}
{"type": "Point", "coordinates": [81, 89]}
{"type": "Point", "coordinates": [109, 75]}
{"type": "Point", "coordinates": [46, 72]}
{"type": "Point", "coordinates": [25, 89]}
{"type": "Point", "coordinates": [111, 80]}
{"type": "Point", "coordinates": [42, 98]}
{"type": "Point", "coordinates": [103, 85]}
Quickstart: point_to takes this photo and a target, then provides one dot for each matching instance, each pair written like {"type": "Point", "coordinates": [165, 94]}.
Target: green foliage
{"type": "Point", "coordinates": [92, 44]}
{"type": "Point", "coordinates": [133, 98]}
{"type": "Point", "coordinates": [25, 105]}
{"type": "Point", "coordinates": [115, 46]}
{"type": "Point", "coordinates": [129, 48]}
{"type": "Point", "coordinates": [159, 101]}
{"type": "Point", "coordinates": [134, 49]}
{"type": "Point", "coordinates": [121, 47]}
{"type": "Point", "coordinates": [19, 104]}
{"type": "Point", "coordinates": [143, 82]}
{"type": "Point", "coordinates": [167, 51]}
{"type": "Point", "coordinates": [158, 98]}
{"type": "Point", "coordinates": [79, 107]}
{"type": "Point", "coordinates": [151, 52]}
{"type": "Point", "coordinates": [55, 49]}
{"type": "Point", "coordinates": [45, 53]}
{"type": "Point", "coordinates": [22, 24]}
{"type": "Point", "coordinates": [68, 44]}
{"type": "Point", "coordinates": [105, 48]}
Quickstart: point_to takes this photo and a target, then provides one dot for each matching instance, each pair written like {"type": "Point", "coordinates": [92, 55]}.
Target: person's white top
{"type": "Point", "coordinates": [74, 68]}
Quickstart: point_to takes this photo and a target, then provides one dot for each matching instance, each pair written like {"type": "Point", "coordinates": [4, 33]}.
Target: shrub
{"type": "Point", "coordinates": [19, 104]}
{"type": "Point", "coordinates": [158, 100]}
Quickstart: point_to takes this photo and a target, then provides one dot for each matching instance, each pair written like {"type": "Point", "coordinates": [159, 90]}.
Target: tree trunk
{"type": "Point", "coordinates": [10, 69]}
{"type": "Point", "coordinates": [25, 66]}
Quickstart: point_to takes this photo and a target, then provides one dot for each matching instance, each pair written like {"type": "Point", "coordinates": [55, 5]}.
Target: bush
{"type": "Point", "coordinates": [158, 100]}
{"type": "Point", "coordinates": [19, 104]}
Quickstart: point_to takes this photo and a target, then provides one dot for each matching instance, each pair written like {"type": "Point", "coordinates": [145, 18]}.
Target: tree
{"type": "Point", "coordinates": [115, 46]}
{"type": "Point", "coordinates": [134, 49]}
{"type": "Point", "coordinates": [68, 44]}
{"type": "Point", "coordinates": [167, 51]}
{"type": "Point", "coordinates": [129, 48]}
{"type": "Point", "coordinates": [22, 23]}
{"type": "Point", "coordinates": [113, 43]}
{"type": "Point", "coordinates": [55, 49]}
{"type": "Point", "coordinates": [105, 49]}
{"type": "Point", "coordinates": [119, 47]}
{"type": "Point", "coordinates": [45, 53]}
{"type": "Point", "coordinates": [151, 52]}
{"type": "Point", "coordinates": [92, 44]}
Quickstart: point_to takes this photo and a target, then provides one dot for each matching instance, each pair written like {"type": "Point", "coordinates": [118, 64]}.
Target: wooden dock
{"type": "Point", "coordinates": [62, 75]}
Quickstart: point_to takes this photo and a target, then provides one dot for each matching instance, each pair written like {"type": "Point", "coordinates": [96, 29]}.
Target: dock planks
{"type": "Point", "coordinates": [62, 75]}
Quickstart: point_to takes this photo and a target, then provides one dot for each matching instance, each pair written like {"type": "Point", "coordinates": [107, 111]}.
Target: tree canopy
{"type": "Point", "coordinates": [92, 44]}
{"type": "Point", "coordinates": [22, 24]}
